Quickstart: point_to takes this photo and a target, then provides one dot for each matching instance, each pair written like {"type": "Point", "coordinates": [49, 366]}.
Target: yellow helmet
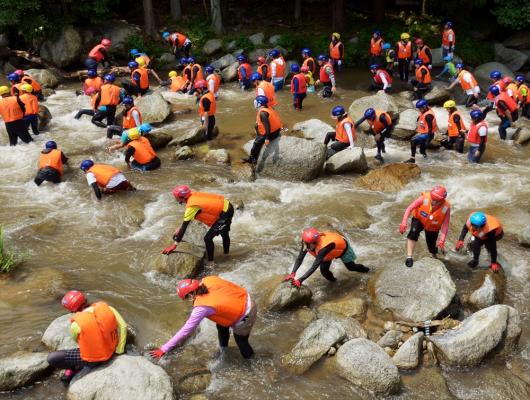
{"type": "Point", "coordinates": [450, 104]}
{"type": "Point", "coordinates": [405, 35]}
{"type": "Point", "coordinates": [27, 88]}
{"type": "Point", "coordinates": [172, 74]}
{"type": "Point", "coordinates": [337, 35]}
{"type": "Point", "coordinates": [4, 90]}
{"type": "Point", "coordinates": [133, 134]}
{"type": "Point", "coordinates": [140, 61]}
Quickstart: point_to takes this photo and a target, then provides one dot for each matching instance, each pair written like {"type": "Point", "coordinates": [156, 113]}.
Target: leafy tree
{"type": "Point", "coordinates": [513, 14]}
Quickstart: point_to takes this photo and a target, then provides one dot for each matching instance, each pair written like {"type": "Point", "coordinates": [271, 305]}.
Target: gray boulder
{"type": "Point", "coordinates": [482, 73]}
{"type": "Point", "coordinates": [408, 355]}
{"type": "Point", "coordinates": [211, 46]}
{"type": "Point", "coordinates": [124, 378]}
{"type": "Point", "coordinates": [405, 128]}
{"type": "Point", "coordinates": [185, 262]}
{"type": "Point", "coordinates": [57, 335]}
{"type": "Point", "coordinates": [347, 161]}
{"type": "Point", "coordinates": [191, 136]}
{"type": "Point", "coordinates": [230, 73]}
{"type": "Point", "coordinates": [380, 101]}
{"type": "Point", "coordinates": [415, 294]}
{"type": "Point", "coordinates": [390, 339]}
{"type": "Point", "coordinates": [224, 61]}
{"type": "Point", "coordinates": [275, 39]}
{"type": "Point", "coordinates": [486, 295]}
{"type": "Point", "coordinates": [218, 156]}
{"type": "Point", "coordinates": [437, 60]}
{"type": "Point", "coordinates": [168, 61]}
{"type": "Point", "coordinates": [22, 369]}
{"type": "Point", "coordinates": [313, 129]}
{"type": "Point", "coordinates": [158, 140]}
{"type": "Point", "coordinates": [45, 77]}
{"type": "Point", "coordinates": [45, 117]}
{"type": "Point", "coordinates": [511, 58]}
{"type": "Point", "coordinates": [119, 32]}
{"type": "Point", "coordinates": [519, 40]}
{"type": "Point", "coordinates": [64, 51]}
{"type": "Point", "coordinates": [231, 45]}
{"type": "Point", "coordinates": [522, 133]}
{"type": "Point", "coordinates": [257, 38]}
{"type": "Point", "coordinates": [437, 95]}
{"type": "Point", "coordinates": [279, 161]}
{"type": "Point", "coordinates": [153, 107]}
{"type": "Point", "coordinates": [254, 54]}
{"type": "Point", "coordinates": [183, 153]}
{"type": "Point", "coordinates": [285, 296]}
{"type": "Point", "coordinates": [366, 365]}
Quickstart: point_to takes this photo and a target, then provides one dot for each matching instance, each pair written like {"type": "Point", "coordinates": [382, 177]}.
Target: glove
{"type": "Point", "coordinates": [459, 245]}
{"type": "Point", "coordinates": [157, 354]}
{"type": "Point", "coordinates": [402, 228]}
{"type": "Point", "coordinates": [296, 283]}
{"type": "Point", "coordinates": [289, 277]}
{"type": "Point", "coordinates": [495, 267]}
{"type": "Point", "coordinates": [169, 249]}
{"type": "Point", "coordinates": [441, 245]}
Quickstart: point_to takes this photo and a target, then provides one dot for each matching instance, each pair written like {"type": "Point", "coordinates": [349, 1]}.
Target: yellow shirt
{"type": "Point", "coordinates": [191, 212]}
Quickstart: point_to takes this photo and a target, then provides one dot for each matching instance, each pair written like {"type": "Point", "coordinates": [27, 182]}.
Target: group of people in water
{"type": "Point", "coordinates": [98, 328]}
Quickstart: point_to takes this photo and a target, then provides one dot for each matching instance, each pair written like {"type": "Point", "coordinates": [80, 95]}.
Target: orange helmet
{"type": "Point", "coordinates": [73, 300]}
{"type": "Point", "coordinates": [310, 235]}
{"type": "Point", "coordinates": [187, 286]}
{"type": "Point", "coordinates": [438, 193]}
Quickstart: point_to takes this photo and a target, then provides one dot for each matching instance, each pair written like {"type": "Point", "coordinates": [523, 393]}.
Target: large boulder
{"type": "Point", "coordinates": [224, 61]}
{"type": "Point", "coordinates": [254, 54]}
{"type": "Point", "coordinates": [257, 38]}
{"type": "Point", "coordinates": [380, 101]}
{"type": "Point", "coordinates": [279, 161]}
{"type": "Point", "coordinates": [45, 77]}
{"type": "Point", "coordinates": [347, 161]}
{"type": "Point", "coordinates": [313, 129]}
{"type": "Point", "coordinates": [519, 40]}
{"type": "Point", "coordinates": [275, 39]}
{"type": "Point", "coordinates": [493, 328]}
{"type": "Point", "coordinates": [285, 296]}
{"type": "Point", "coordinates": [45, 117]}
{"type": "Point", "coordinates": [366, 365]}
{"type": "Point", "coordinates": [218, 156]}
{"type": "Point", "coordinates": [482, 73]}
{"type": "Point", "coordinates": [153, 107]}
{"type": "Point", "coordinates": [511, 58]}
{"type": "Point", "coordinates": [405, 128]}
{"type": "Point", "coordinates": [191, 136]}
{"type": "Point", "coordinates": [230, 73]}
{"type": "Point", "coordinates": [158, 140]}
{"type": "Point", "coordinates": [57, 335]}
{"type": "Point", "coordinates": [185, 262]}
{"type": "Point", "coordinates": [65, 50]}
{"type": "Point", "coordinates": [408, 355]}
{"type": "Point", "coordinates": [415, 294]}
{"type": "Point", "coordinates": [486, 295]}
{"type": "Point", "coordinates": [317, 339]}
{"type": "Point", "coordinates": [437, 95]}
{"type": "Point", "coordinates": [183, 153]}
{"type": "Point", "coordinates": [168, 61]}
{"type": "Point", "coordinates": [22, 369]}
{"type": "Point", "coordinates": [211, 46]}
{"type": "Point", "coordinates": [351, 307]}
{"type": "Point", "coordinates": [522, 134]}
{"type": "Point", "coordinates": [124, 378]}
{"type": "Point", "coordinates": [390, 178]}
{"type": "Point", "coordinates": [119, 32]}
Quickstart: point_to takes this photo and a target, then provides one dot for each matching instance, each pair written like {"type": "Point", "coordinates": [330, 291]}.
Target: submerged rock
{"type": "Point", "coordinates": [219, 156]}
{"type": "Point", "coordinates": [390, 178]}
{"type": "Point", "coordinates": [522, 133]}
{"type": "Point", "coordinates": [153, 107]}
{"type": "Point", "coordinates": [379, 101]}
{"type": "Point", "coordinates": [347, 161]}
{"type": "Point", "coordinates": [45, 77]}
{"type": "Point", "coordinates": [195, 381]}
{"type": "Point", "coordinates": [407, 356]}
{"type": "Point", "coordinates": [45, 117]}
{"type": "Point", "coordinates": [486, 295]}
{"type": "Point", "coordinates": [286, 296]}
{"type": "Point", "coordinates": [243, 172]}
{"type": "Point", "coordinates": [183, 153]}
{"type": "Point", "coordinates": [22, 369]}
{"type": "Point", "coordinates": [185, 262]}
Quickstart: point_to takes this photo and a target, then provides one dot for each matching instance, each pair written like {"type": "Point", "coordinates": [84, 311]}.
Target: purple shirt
{"type": "Point", "coordinates": [197, 315]}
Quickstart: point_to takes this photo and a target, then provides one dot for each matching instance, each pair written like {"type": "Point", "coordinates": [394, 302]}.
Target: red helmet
{"type": "Point", "coordinates": [419, 42]}
{"type": "Point", "coordinates": [106, 42]}
{"type": "Point", "coordinates": [201, 83]}
{"type": "Point", "coordinates": [181, 192]}
{"type": "Point", "coordinates": [19, 72]}
{"type": "Point", "coordinates": [187, 286]}
{"type": "Point", "coordinates": [507, 80]}
{"type": "Point", "coordinates": [310, 235]}
{"type": "Point", "coordinates": [261, 60]}
{"type": "Point", "coordinates": [304, 69]}
{"type": "Point", "coordinates": [73, 300]}
{"type": "Point", "coordinates": [438, 193]}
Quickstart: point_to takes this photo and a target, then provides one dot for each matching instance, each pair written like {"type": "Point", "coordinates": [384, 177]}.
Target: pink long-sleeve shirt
{"type": "Point", "coordinates": [418, 202]}
{"type": "Point", "coordinates": [197, 315]}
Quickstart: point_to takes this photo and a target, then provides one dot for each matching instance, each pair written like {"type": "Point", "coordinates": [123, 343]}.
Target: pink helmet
{"type": "Point", "coordinates": [310, 235]}
{"type": "Point", "coordinates": [187, 286]}
{"type": "Point", "coordinates": [201, 83]}
{"type": "Point", "coordinates": [73, 300]}
{"type": "Point", "coordinates": [507, 80]}
{"type": "Point", "coordinates": [181, 192]}
{"type": "Point", "coordinates": [438, 193]}
{"type": "Point", "coordinates": [90, 91]}
{"type": "Point", "coordinates": [106, 42]}
{"type": "Point", "coordinates": [304, 69]}
{"type": "Point", "coordinates": [19, 72]}
{"type": "Point", "coordinates": [261, 60]}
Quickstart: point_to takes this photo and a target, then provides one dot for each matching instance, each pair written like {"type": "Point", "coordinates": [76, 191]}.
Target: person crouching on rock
{"type": "Point", "coordinates": [344, 135]}
{"type": "Point", "coordinates": [139, 148]}
{"type": "Point", "coordinates": [381, 126]}
{"type": "Point", "coordinates": [221, 301]}
{"type": "Point", "coordinates": [99, 330]}
{"type": "Point", "coordinates": [325, 247]}
{"type": "Point", "coordinates": [104, 179]}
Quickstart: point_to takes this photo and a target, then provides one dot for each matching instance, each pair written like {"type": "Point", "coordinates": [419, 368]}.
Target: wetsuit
{"type": "Point", "coordinates": [48, 173]}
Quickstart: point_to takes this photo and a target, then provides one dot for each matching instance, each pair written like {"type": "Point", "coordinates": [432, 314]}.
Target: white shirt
{"type": "Point", "coordinates": [136, 116]}
{"type": "Point", "coordinates": [383, 78]}
{"type": "Point", "coordinates": [114, 181]}
{"type": "Point", "coordinates": [211, 85]}
{"type": "Point", "coordinates": [467, 77]}
{"type": "Point", "coordinates": [349, 132]}
{"type": "Point", "coordinates": [483, 131]}
{"type": "Point", "coordinates": [261, 92]}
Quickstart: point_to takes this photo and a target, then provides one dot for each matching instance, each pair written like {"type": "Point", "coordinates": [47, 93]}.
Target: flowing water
{"type": "Point", "coordinates": [106, 248]}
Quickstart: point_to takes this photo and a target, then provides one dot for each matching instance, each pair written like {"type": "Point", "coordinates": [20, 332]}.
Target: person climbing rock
{"type": "Point", "coordinates": [139, 148]}
{"type": "Point", "coordinates": [422, 81]}
{"type": "Point", "coordinates": [448, 40]}
{"type": "Point", "coordinates": [308, 61]}
{"type": "Point", "coordinates": [477, 136]}
{"type": "Point", "coordinates": [92, 81]}
{"type": "Point", "coordinates": [179, 43]}
{"type": "Point", "coordinates": [264, 88]}
{"type": "Point", "coordinates": [12, 111]}
{"type": "Point", "coordinates": [375, 52]}
{"type": "Point", "coordinates": [176, 83]}
{"type": "Point", "coordinates": [244, 70]}
{"type": "Point", "coordinates": [25, 78]}
{"type": "Point", "coordinates": [264, 69]}
{"type": "Point", "coordinates": [336, 51]}
{"type": "Point", "coordinates": [212, 210]}
{"type": "Point", "coordinates": [99, 330]}
{"type": "Point", "coordinates": [506, 109]}
{"type": "Point", "coordinates": [344, 136]}
{"type": "Point", "coordinates": [99, 55]}
{"type": "Point", "coordinates": [277, 67]}
{"type": "Point", "coordinates": [51, 164]}
{"type": "Point", "coordinates": [468, 83]}
{"type": "Point", "coordinates": [426, 127]}
{"type": "Point", "coordinates": [109, 97]}
{"type": "Point", "coordinates": [298, 87]}
{"type": "Point", "coordinates": [31, 114]}
{"type": "Point", "coordinates": [486, 230]}
{"type": "Point", "coordinates": [456, 128]}
{"type": "Point", "coordinates": [326, 76]}
{"type": "Point", "coordinates": [382, 79]}
{"type": "Point", "coordinates": [132, 118]}
{"type": "Point", "coordinates": [207, 108]}
{"type": "Point", "coordinates": [104, 179]}
{"type": "Point", "coordinates": [423, 53]}
{"type": "Point", "coordinates": [268, 127]}
{"type": "Point", "coordinates": [213, 79]}
{"type": "Point", "coordinates": [449, 68]}
{"type": "Point", "coordinates": [430, 212]}
{"type": "Point", "coordinates": [325, 246]}
{"type": "Point", "coordinates": [381, 126]}
{"type": "Point", "coordinates": [523, 96]}
{"type": "Point", "coordinates": [223, 302]}
{"type": "Point", "coordinates": [404, 55]}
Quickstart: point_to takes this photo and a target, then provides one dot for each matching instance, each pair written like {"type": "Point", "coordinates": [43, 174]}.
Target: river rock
{"type": "Point", "coordinates": [65, 50]}
{"type": "Point", "coordinates": [119, 32]}
{"type": "Point", "coordinates": [390, 178]}
{"type": "Point", "coordinates": [230, 73]}
{"type": "Point", "coordinates": [243, 172]}
{"type": "Point", "coordinates": [286, 296]}
{"type": "Point", "coordinates": [257, 38]}
{"type": "Point", "coordinates": [57, 335]}
{"type": "Point", "coordinates": [218, 156]}
{"type": "Point", "coordinates": [186, 263]}
{"type": "Point", "coordinates": [351, 307]}
{"type": "Point", "coordinates": [168, 61]}
{"type": "Point", "coordinates": [477, 336]}
{"type": "Point", "coordinates": [183, 153]}
{"type": "Point", "coordinates": [347, 161]}
{"type": "Point", "coordinates": [45, 117]}
{"type": "Point", "coordinates": [191, 136]}
{"type": "Point", "coordinates": [22, 369]}
{"type": "Point", "coordinates": [405, 128]}
{"type": "Point", "coordinates": [153, 107]}
{"type": "Point", "coordinates": [275, 39]}
{"type": "Point", "coordinates": [482, 73]}
{"type": "Point", "coordinates": [317, 339]}
{"type": "Point", "coordinates": [313, 129]}
{"type": "Point", "coordinates": [224, 61]}
{"type": "Point", "coordinates": [124, 378]}
{"type": "Point", "coordinates": [390, 339]}
{"type": "Point", "coordinates": [486, 295]}
{"type": "Point", "coordinates": [254, 54]}
{"type": "Point", "coordinates": [211, 46]}
{"type": "Point", "coordinates": [437, 95]}
{"type": "Point", "coordinates": [279, 161]}
{"type": "Point", "coordinates": [511, 58]}
{"type": "Point", "coordinates": [380, 101]}
{"type": "Point", "coordinates": [366, 365]}
{"type": "Point", "coordinates": [158, 140]}
{"type": "Point", "coordinates": [415, 294]}
{"type": "Point", "coordinates": [407, 356]}
{"type": "Point", "coordinates": [45, 77]}
{"type": "Point", "coordinates": [519, 40]}
{"type": "Point", "coordinates": [522, 134]}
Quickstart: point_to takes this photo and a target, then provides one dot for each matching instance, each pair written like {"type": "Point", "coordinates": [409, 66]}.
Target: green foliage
{"type": "Point", "coordinates": [153, 48]}
{"type": "Point", "coordinates": [514, 14]}
{"type": "Point", "coordinates": [95, 10]}
{"type": "Point", "coordinates": [243, 42]}
{"type": "Point", "coordinates": [474, 52]}
{"type": "Point", "coordinates": [199, 31]}
{"type": "Point", "coordinates": [8, 259]}
{"type": "Point", "coordinates": [15, 14]}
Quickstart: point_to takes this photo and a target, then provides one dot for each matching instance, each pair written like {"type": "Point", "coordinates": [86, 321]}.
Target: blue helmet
{"type": "Point", "coordinates": [418, 61]}
{"type": "Point", "coordinates": [295, 68]}
{"type": "Point", "coordinates": [337, 111]}
{"type": "Point", "coordinates": [459, 66]}
{"type": "Point", "coordinates": [50, 144]}
{"type": "Point", "coordinates": [255, 76]}
{"type": "Point", "coordinates": [132, 65]}
{"type": "Point", "coordinates": [191, 60]}
{"type": "Point", "coordinates": [306, 51]}
{"type": "Point", "coordinates": [520, 78]}
{"type": "Point", "coordinates": [369, 113]}
{"type": "Point", "coordinates": [494, 90]}
{"type": "Point", "coordinates": [86, 164]}
{"type": "Point", "coordinates": [110, 77]}
{"type": "Point", "coordinates": [374, 67]}
{"type": "Point", "coordinates": [495, 74]}
{"type": "Point", "coordinates": [449, 24]}
{"type": "Point", "coordinates": [183, 60]}
{"type": "Point", "coordinates": [478, 218]}
{"type": "Point", "coordinates": [13, 77]}
{"type": "Point", "coordinates": [261, 101]}
{"type": "Point", "coordinates": [387, 46]}
{"type": "Point", "coordinates": [92, 73]}
{"type": "Point", "coordinates": [448, 58]}
{"type": "Point", "coordinates": [208, 69]}
{"type": "Point", "coordinates": [476, 115]}
{"type": "Point", "coordinates": [274, 53]}
{"type": "Point", "coordinates": [145, 128]}
{"type": "Point", "coordinates": [134, 52]}
{"type": "Point", "coordinates": [127, 101]}
{"type": "Point", "coordinates": [377, 32]}
{"type": "Point", "coordinates": [241, 58]}
{"type": "Point", "coordinates": [165, 35]}
{"type": "Point", "coordinates": [422, 103]}
{"type": "Point", "coordinates": [322, 57]}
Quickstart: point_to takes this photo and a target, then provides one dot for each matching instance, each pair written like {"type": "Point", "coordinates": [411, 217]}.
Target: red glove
{"type": "Point", "coordinates": [459, 245]}
{"type": "Point", "coordinates": [296, 283]}
{"type": "Point", "coordinates": [441, 245]}
{"type": "Point", "coordinates": [495, 267]}
{"type": "Point", "coordinates": [157, 354]}
{"type": "Point", "coordinates": [289, 277]}
{"type": "Point", "coordinates": [402, 228]}
{"type": "Point", "coordinates": [169, 249]}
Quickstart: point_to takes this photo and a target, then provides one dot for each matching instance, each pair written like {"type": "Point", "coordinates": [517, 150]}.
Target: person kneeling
{"type": "Point", "coordinates": [140, 149]}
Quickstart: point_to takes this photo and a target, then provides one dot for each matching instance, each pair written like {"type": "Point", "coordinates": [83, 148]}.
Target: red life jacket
{"type": "Point", "coordinates": [323, 76]}
{"type": "Point", "coordinates": [473, 136]}
{"type": "Point", "coordinates": [302, 87]}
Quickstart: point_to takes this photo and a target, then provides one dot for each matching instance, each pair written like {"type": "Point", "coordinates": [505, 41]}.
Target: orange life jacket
{"type": "Point", "coordinates": [98, 338]}
{"type": "Point", "coordinates": [376, 125]}
{"type": "Point", "coordinates": [473, 135]}
{"type": "Point", "coordinates": [515, 90]}
{"type": "Point", "coordinates": [280, 67]}
{"type": "Point", "coordinates": [302, 87]}
{"type": "Point", "coordinates": [227, 299]}
{"type": "Point", "coordinates": [143, 151]}
{"type": "Point", "coordinates": [445, 37]}
{"type": "Point", "coordinates": [323, 76]}
{"type": "Point", "coordinates": [260, 71]}
{"type": "Point", "coordinates": [128, 120]}
{"type": "Point", "coordinates": [340, 131]}
{"type": "Point", "coordinates": [431, 219]}
{"type": "Point", "coordinates": [144, 78]}
{"type": "Point", "coordinates": [376, 47]}
{"type": "Point", "coordinates": [10, 109]}
{"type": "Point", "coordinates": [31, 102]}
{"type": "Point", "coordinates": [95, 53]}
{"type": "Point", "coordinates": [213, 104]}
{"type": "Point", "coordinates": [211, 206]}
{"type": "Point", "coordinates": [377, 77]}
{"type": "Point", "coordinates": [198, 75]}
{"type": "Point", "coordinates": [492, 224]}
{"type": "Point", "coordinates": [419, 76]}
{"type": "Point", "coordinates": [510, 103]}
{"type": "Point", "coordinates": [274, 120]}
{"type": "Point", "coordinates": [95, 83]}
{"type": "Point", "coordinates": [216, 82]}
{"type": "Point", "coordinates": [52, 159]}
{"type": "Point", "coordinates": [177, 39]}
{"type": "Point", "coordinates": [110, 95]}
{"type": "Point", "coordinates": [422, 55]}
{"type": "Point", "coordinates": [422, 127]}
{"type": "Point", "coordinates": [404, 50]}
{"type": "Point", "coordinates": [268, 89]}
{"type": "Point", "coordinates": [177, 83]}
{"type": "Point", "coordinates": [186, 72]}
{"type": "Point", "coordinates": [452, 128]}
{"type": "Point", "coordinates": [327, 238]}
{"type": "Point", "coordinates": [248, 71]}
{"type": "Point", "coordinates": [334, 51]}
{"type": "Point", "coordinates": [313, 65]}
{"type": "Point", "coordinates": [103, 173]}
{"type": "Point", "coordinates": [34, 84]}
{"type": "Point", "coordinates": [465, 85]}
{"type": "Point", "coordinates": [500, 84]}
{"type": "Point", "coordinates": [520, 93]}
